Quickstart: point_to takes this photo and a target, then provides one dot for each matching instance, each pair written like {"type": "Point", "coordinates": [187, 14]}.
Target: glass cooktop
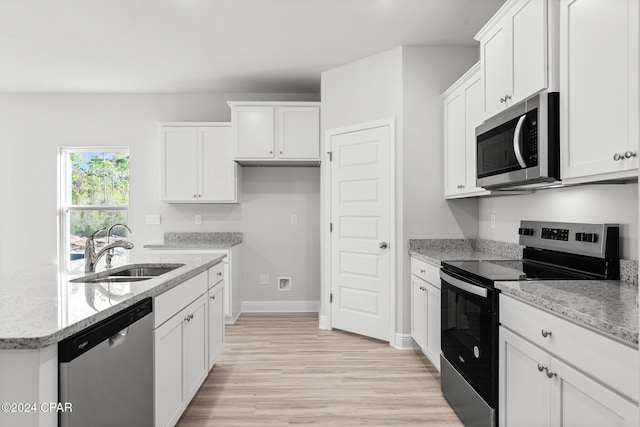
{"type": "Point", "coordinates": [496, 270]}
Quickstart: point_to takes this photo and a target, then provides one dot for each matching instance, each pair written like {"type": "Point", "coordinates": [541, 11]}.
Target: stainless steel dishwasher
{"type": "Point", "coordinates": [106, 371]}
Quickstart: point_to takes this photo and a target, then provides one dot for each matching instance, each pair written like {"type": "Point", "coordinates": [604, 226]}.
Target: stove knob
{"type": "Point", "coordinates": [591, 237]}
{"type": "Point", "coordinates": [525, 231]}
{"type": "Point", "coordinates": [581, 237]}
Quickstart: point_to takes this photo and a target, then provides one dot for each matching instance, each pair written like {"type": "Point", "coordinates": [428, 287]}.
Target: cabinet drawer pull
{"type": "Point", "coordinates": [618, 156]}
{"type": "Point", "coordinates": [545, 333]}
{"type": "Point", "coordinates": [550, 374]}
{"type": "Point", "coordinates": [630, 154]}
{"type": "Point", "coordinates": [188, 318]}
{"type": "Point", "coordinates": [213, 297]}
{"type": "Point", "coordinates": [219, 274]}
{"type": "Point", "coordinates": [541, 367]}
{"type": "Point", "coordinates": [422, 271]}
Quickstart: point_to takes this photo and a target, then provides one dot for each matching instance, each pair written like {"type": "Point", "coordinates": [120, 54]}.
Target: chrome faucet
{"type": "Point", "coordinates": [91, 258]}
{"type": "Point", "coordinates": [109, 256]}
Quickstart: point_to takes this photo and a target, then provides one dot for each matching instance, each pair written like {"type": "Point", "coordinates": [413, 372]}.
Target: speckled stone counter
{"type": "Point", "coordinates": [40, 307]}
{"type": "Point", "coordinates": [608, 306]}
{"type": "Point", "coordinates": [434, 251]}
{"type": "Point", "coordinates": [200, 240]}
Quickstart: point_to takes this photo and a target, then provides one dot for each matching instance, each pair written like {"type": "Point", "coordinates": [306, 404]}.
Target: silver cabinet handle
{"type": "Point", "coordinates": [213, 297]}
{"type": "Point", "coordinates": [383, 245]}
{"type": "Point", "coordinates": [219, 274]}
{"type": "Point", "coordinates": [630, 154]}
{"type": "Point", "coordinates": [422, 271]}
{"type": "Point", "coordinates": [550, 374]}
{"type": "Point", "coordinates": [618, 156]}
{"type": "Point", "coordinates": [505, 99]}
{"type": "Point", "coordinates": [188, 318]}
{"type": "Point", "coordinates": [545, 333]}
{"type": "Point", "coordinates": [541, 367]}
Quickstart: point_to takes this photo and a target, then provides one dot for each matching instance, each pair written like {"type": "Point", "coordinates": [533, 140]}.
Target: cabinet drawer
{"type": "Point", "coordinates": [426, 271]}
{"type": "Point", "coordinates": [175, 299]}
{"type": "Point", "coordinates": [216, 274]}
{"type": "Point", "coordinates": [603, 358]}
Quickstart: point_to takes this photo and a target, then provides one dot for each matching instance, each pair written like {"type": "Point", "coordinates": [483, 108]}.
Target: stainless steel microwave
{"type": "Point", "coordinates": [520, 147]}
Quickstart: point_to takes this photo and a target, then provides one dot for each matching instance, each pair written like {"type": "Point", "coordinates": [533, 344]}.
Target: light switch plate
{"type": "Point", "coordinates": [198, 219]}
{"type": "Point", "coordinates": [264, 279]}
{"type": "Point", "coordinates": [153, 219]}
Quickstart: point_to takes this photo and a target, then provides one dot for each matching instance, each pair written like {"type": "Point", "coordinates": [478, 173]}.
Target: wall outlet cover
{"type": "Point", "coordinates": [284, 283]}
{"type": "Point", "coordinates": [153, 219]}
{"type": "Point", "coordinates": [198, 219]}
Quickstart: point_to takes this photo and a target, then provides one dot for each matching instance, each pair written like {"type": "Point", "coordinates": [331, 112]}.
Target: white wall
{"type": "Point", "coordinates": [405, 83]}
{"type": "Point", "coordinates": [599, 203]}
{"type": "Point", "coordinates": [32, 126]}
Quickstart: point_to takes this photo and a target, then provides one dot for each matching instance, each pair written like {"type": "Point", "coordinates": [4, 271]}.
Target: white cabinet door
{"type": "Point", "coordinates": [253, 131]}
{"type": "Point", "coordinates": [462, 113]}
{"type": "Point", "coordinates": [218, 172]}
{"type": "Point", "coordinates": [419, 312]}
{"type": "Point", "coordinates": [528, 48]}
{"type": "Point", "coordinates": [195, 345]}
{"type": "Point", "coordinates": [524, 388]}
{"type": "Point", "coordinates": [169, 362]}
{"type": "Point", "coordinates": [197, 164]}
{"type": "Point", "coordinates": [298, 132]}
{"type": "Point", "coordinates": [433, 324]}
{"type": "Point", "coordinates": [216, 323]}
{"type": "Point", "coordinates": [599, 89]}
{"type": "Point", "coordinates": [455, 144]}
{"type": "Point", "coordinates": [514, 53]}
{"type": "Point", "coordinates": [179, 163]}
{"type": "Point", "coordinates": [496, 75]}
{"type": "Point", "coordinates": [580, 401]}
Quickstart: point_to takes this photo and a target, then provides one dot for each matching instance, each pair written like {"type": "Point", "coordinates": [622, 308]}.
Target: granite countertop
{"type": "Point", "coordinates": [199, 240]}
{"type": "Point", "coordinates": [40, 307]}
{"type": "Point", "coordinates": [609, 306]}
{"type": "Point", "coordinates": [434, 251]}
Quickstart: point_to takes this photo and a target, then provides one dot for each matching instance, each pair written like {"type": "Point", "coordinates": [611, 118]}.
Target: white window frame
{"type": "Point", "coordinates": [64, 197]}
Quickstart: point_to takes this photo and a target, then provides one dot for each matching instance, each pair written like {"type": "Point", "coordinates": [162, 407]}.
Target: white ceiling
{"type": "Point", "coordinates": [263, 46]}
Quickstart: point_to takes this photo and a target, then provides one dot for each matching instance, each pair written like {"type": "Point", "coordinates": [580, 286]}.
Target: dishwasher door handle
{"type": "Point", "coordinates": [119, 338]}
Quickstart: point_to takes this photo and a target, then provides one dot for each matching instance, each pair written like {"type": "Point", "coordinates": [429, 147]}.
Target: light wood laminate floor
{"type": "Point", "coordinates": [279, 369]}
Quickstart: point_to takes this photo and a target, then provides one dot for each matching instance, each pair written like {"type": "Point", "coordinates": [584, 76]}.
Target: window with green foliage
{"type": "Point", "coordinates": [94, 195]}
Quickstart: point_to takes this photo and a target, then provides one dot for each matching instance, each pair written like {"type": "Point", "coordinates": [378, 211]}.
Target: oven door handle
{"type": "Point", "coordinates": [516, 142]}
{"type": "Point", "coordinates": [465, 286]}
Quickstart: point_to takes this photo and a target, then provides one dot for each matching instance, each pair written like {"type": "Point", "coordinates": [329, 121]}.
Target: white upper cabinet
{"type": "Point", "coordinates": [599, 89]}
{"type": "Point", "coordinates": [517, 53]}
{"type": "Point", "coordinates": [462, 113]}
{"type": "Point", "coordinates": [197, 164]}
{"type": "Point", "coordinates": [276, 133]}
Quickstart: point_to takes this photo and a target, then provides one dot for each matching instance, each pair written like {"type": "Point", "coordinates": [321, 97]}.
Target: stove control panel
{"type": "Point", "coordinates": [597, 240]}
{"type": "Point", "coordinates": [555, 234]}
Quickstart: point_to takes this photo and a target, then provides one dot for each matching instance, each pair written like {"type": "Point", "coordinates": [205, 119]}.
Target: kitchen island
{"type": "Point", "coordinates": [42, 306]}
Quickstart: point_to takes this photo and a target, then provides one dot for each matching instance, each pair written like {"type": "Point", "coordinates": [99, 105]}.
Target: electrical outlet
{"type": "Point", "coordinates": [153, 219]}
{"type": "Point", "coordinates": [294, 219]}
{"type": "Point", "coordinates": [198, 219]}
{"type": "Point", "coordinates": [264, 279]}
{"type": "Point", "coordinates": [493, 220]}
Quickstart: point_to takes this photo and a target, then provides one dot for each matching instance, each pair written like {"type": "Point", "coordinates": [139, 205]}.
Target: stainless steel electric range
{"type": "Point", "coordinates": [469, 358]}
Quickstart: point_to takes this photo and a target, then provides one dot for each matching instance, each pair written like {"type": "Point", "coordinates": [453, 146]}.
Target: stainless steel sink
{"type": "Point", "coordinates": [146, 271]}
{"type": "Point", "coordinates": [133, 273]}
{"type": "Point", "coordinates": [111, 279]}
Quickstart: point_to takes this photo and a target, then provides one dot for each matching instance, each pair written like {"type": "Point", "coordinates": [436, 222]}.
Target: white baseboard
{"type": "Point", "coordinates": [324, 323]}
{"type": "Point", "coordinates": [404, 342]}
{"type": "Point", "coordinates": [280, 306]}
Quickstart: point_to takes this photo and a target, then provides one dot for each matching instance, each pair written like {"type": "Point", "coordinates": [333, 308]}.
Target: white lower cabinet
{"type": "Point", "coordinates": [425, 309]}
{"type": "Point", "coordinates": [188, 337]}
{"type": "Point", "coordinates": [539, 384]}
{"type": "Point", "coordinates": [216, 313]}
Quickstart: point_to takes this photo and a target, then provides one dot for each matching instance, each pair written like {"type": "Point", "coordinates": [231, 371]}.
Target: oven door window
{"type": "Point", "coordinates": [468, 337]}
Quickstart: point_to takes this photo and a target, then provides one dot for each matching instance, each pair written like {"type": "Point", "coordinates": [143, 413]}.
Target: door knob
{"type": "Point", "coordinates": [383, 245]}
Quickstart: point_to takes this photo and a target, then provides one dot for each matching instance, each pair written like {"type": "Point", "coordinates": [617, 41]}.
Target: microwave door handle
{"type": "Point", "coordinates": [516, 142]}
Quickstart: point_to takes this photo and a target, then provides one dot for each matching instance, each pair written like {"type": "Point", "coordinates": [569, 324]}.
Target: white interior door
{"type": "Point", "coordinates": [361, 231]}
